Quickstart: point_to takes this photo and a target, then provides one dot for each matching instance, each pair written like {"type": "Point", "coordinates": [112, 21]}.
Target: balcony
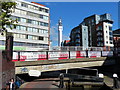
{"type": "Point", "coordinates": [77, 31]}
{"type": "Point", "coordinates": [77, 36]}
{"type": "Point", "coordinates": [99, 34]}
{"type": "Point", "coordinates": [77, 40]}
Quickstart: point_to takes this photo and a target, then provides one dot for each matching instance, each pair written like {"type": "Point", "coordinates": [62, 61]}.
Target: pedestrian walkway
{"type": "Point", "coordinates": [50, 83]}
{"type": "Point", "coordinates": [40, 83]}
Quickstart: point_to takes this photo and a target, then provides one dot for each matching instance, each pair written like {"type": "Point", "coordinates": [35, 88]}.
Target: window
{"type": "Point", "coordinates": [111, 38]}
{"type": "Point", "coordinates": [13, 17]}
{"type": "Point", "coordinates": [99, 28]}
{"type": "Point", "coordinates": [23, 28]}
{"type": "Point", "coordinates": [44, 17]}
{"type": "Point", "coordinates": [41, 38]}
{"type": "Point", "coordinates": [111, 42]}
{"type": "Point", "coordinates": [22, 36]}
{"type": "Point", "coordinates": [29, 21]}
{"type": "Point", "coordinates": [18, 27]}
{"type": "Point", "coordinates": [45, 31]}
{"type": "Point", "coordinates": [41, 9]}
{"type": "Point", "coordinates": [33, 14]}
{"type": "Point", "coordinates": [30, 6]}
{"type": "Point", "coordinates": [30, 37]}
{"type": "Point", "coordinates": [24, 5]}
{"type": "Point", "coordinates": [29, 29]}
{"type": "Point", "coordinates": [46, 10]}
{"type": "Point", "coordinates": [110, 32]}
{"type": "Point", "coordinates": [41, 23]}
{"type": "Point", "coordinates": [23, 20]}
{"type": "Point", "coordinates": [92, 20]}
{"type": "Point", "coordinates": [35, 38]}
{"type": "Point", "coordinates": [18, 19]}
{"type": "Point", "coordinates": [23, 12]}
{"type": "Point", "coordinates": [100, 44]}
{"type": "Point", "coordinates": [106, 37]}
{"type": "Point", "coordinates": [77, 44]}
{"type": "Point", "coordinates": [107, 42]}
{"type": "Point", "coordinates": [35, 30]}
{"type": "Point", "coordinates": [33, 22]}
{"type": "Point", "coordinates": [99, 33]}
{"type": "Point", "coordinates": [41, 16]}
{"type": "Point", "coordinates": [36, 8]}
{"type": "Point", "coordinates": [17, 11]}
{"type": "Point", "coordinates": [110, 28]}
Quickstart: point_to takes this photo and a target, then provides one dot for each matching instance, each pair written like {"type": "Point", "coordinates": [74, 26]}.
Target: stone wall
{"type": "Point", "coordinates": [7, 69]}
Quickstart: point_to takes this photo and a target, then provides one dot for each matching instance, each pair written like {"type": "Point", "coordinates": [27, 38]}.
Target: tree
{"type": "Point", "coordinates": [7, 8]}
{"type": "Point", "coordinates": [5, 21]}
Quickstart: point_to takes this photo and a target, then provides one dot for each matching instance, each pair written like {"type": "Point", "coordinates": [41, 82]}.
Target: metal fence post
{"type": "Point", "coordinates": [87, 53]}
{"type": "Point", "coordinates": [18, 56]}
{"type": "Point", "coordinates": [47, 55]}
{"type": "Point", "coordinates": [69, 54]}
{"type": "Point", "coordinates": [101, 53]}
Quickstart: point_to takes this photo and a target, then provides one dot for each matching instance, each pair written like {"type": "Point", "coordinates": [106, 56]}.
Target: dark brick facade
{"type": "Point", "coordinates": [7, 69]}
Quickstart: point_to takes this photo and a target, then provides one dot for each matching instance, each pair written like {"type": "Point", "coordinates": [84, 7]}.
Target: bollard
{"type": "Point", "coordinates": [116, 82]}
{"type": "Point", "coordinates": [61, 85]}
{"type": "Point", "coordinates": [101, 75]}
{"type": "Point", "coordinates": [69, 84]}
{"type": "Point", "coordinates": [86, 53]}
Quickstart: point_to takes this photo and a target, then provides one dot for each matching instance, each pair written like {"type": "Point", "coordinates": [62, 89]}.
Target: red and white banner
{"type": "Point", "coordinates": [107, 53]}
{"type": "Point", "coordinates": [54, 55]}
{"type": "Point", "coordinates": [94, 53]}
{"type": "Point", "coordinates": [80, 54]}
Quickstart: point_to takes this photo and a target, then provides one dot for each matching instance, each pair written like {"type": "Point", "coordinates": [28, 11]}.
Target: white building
{"type": "Point", "coordinates": [33, 27]}
{"type": "Point", "coordinates": [60, 29]}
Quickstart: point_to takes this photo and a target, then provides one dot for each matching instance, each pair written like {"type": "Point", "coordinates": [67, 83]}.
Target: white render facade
{"type": "Point", "coordinates": [108, 38]}
{"type": "Point", "coordinates": [33, 27]}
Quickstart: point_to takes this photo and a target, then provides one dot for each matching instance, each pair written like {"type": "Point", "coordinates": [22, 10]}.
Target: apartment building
{"type": "Point", "coordinates": [95, 31]}
{"type": "Point", "coordinates": [116, 34]}
{"type": "Point", "coordinates": [79, 36]}
{"type": "Point", "coordinates": [33, 27]}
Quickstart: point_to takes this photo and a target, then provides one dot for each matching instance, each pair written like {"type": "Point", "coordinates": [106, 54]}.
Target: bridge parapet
{"type": "Point", "coordinates": [64, 64]}
{"type": "Point", "coordinates": [56, 55]}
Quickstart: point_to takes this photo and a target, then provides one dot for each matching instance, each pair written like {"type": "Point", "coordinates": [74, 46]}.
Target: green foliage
{"type": "Point", "coordinates": [7, 8]}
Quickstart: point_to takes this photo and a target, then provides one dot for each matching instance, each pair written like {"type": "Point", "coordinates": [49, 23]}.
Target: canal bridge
{"type": "Point", "coordinates": [45, 61]}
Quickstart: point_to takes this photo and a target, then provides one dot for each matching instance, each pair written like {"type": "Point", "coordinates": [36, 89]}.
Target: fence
{"type": "Point", "coordinates": [56, 55]}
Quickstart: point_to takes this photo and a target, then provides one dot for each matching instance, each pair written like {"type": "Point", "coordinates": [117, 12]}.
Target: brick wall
{"type": "Point", "coordinates": [7, 69]}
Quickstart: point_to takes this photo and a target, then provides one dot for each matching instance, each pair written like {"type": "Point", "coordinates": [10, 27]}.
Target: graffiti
{"type": "Point", "coordinates": [24, 69]}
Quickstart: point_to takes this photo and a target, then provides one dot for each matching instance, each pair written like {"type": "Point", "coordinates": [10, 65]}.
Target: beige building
{"type": "Point", "coordinates": [33, 29]}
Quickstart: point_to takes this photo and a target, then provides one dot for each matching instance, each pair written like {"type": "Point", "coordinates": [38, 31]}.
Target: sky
{"type": "Point", "coordinates": [73, 13]}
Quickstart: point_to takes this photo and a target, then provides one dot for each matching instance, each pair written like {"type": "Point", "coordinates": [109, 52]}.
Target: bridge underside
{"type": "Point", "coordinates": [54, 65]}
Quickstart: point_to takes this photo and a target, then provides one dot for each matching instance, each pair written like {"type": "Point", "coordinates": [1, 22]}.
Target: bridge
{"type": "Point", "coordinates": [60, 60]}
